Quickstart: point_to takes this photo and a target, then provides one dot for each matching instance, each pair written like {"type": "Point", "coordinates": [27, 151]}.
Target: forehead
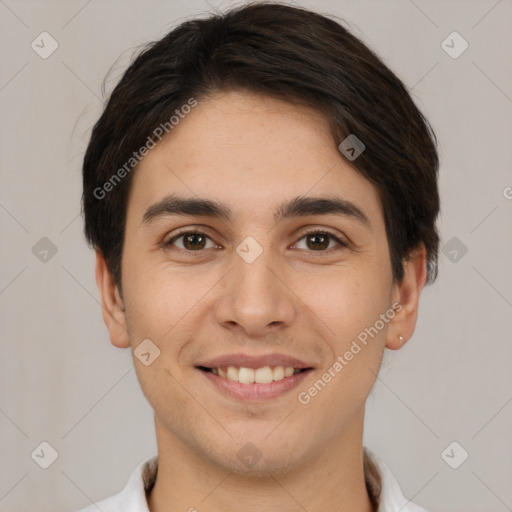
{"type": "Point", "coordinates": [249, 151]}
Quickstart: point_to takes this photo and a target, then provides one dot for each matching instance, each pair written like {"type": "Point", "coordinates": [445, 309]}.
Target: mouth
{"type": "Point", "coordinates": [254, 378]}
{"type": "Point", "coordinates": [263, 375]}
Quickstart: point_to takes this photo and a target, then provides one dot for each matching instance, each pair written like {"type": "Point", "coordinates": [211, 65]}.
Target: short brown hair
{"type": "Point", "coordinates": [292, 54]}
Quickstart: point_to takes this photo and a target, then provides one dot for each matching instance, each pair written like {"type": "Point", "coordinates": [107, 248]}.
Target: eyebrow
{"type": "Point", "coordinates": [297, 207]}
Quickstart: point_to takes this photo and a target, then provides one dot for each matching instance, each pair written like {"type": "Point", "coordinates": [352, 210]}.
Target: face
{"type": "Point", "coordinates": [278, 274]}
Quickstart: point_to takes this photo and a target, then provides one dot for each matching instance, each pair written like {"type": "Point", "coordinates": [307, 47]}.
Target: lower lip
{"type": "Point", "coordinates": [255, 392]}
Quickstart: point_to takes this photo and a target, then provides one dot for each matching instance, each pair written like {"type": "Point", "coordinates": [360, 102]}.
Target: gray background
{"type": "Point", "coordinates": [63, 383]}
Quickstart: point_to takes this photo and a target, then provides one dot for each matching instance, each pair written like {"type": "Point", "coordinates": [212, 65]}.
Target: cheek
{"type": "Point", "coordinates": [159, 308]}
{"type": "Point", "coordinates": [348, 306]}
{"type": "Point", "coordinates": [158, 298]}
{"type": "Point", "coordinates": [346, 302]}
{"type": "Point", "coordinates": [168, 307]}
{"type": "Point", "coordinates": [348, 313]}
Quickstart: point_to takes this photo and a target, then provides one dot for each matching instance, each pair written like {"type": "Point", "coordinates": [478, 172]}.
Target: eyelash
{"type": "Point", "coordinates": [342, 244]}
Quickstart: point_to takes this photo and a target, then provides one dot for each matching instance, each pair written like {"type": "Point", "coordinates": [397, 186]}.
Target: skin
{"type": "Point", "coordinates": [252, 153]}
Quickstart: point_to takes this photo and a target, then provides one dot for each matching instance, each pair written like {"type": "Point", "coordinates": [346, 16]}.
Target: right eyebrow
{"type": "Point", "coordinates": [176, 205]}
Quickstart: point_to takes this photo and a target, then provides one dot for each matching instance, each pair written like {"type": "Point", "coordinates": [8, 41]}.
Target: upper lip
{"type": "Point", "coordinates": [250, 361]}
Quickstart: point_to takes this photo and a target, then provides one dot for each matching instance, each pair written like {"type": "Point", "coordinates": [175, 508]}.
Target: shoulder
{"type": "Point", "coordinates": [133, 496]}
{"type": "Point", "coordinates": [390, 496]}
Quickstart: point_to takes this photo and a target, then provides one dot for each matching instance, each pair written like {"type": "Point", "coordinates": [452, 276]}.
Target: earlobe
{"type": "Point", "coordinates": [112, 304]}
{"type": "Point", "coordinates": [407, 294]}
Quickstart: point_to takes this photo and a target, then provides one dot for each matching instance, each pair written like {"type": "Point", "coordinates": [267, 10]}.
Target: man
{"type": "Point", "coordinates": [261, 192]}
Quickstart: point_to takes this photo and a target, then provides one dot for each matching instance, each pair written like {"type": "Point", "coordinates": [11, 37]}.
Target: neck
{"type": "Point", "coordinates": [333, 480]}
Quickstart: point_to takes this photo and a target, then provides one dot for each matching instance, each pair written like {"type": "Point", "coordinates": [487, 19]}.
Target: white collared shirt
{"type": "Point", "coordinates": [133, 497]}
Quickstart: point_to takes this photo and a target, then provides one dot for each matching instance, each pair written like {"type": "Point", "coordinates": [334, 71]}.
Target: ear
{"type": "Point", "coordinates": [112, 305]}
{"type": "Point", "coordinates": [407, 295]}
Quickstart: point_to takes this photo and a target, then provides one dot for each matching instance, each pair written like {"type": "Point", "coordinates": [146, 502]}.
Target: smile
{"type": "Point", "coordinates": [263, 375]}
{"type": "Point", "coordinates": [254, 377]}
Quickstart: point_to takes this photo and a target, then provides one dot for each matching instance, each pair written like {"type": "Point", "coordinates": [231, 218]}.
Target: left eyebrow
{"type": "Point", "coordinates": [297, 207]}
{"type": "Point", "coordinates": [328, 205]}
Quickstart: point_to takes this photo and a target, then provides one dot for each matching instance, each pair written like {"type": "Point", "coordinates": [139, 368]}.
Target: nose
{"type": "Point", "coordinates": [255, 299]}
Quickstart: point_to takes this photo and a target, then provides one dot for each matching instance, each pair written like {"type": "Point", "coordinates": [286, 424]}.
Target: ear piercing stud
{"type": "Point", "coordinates": [401, 339]}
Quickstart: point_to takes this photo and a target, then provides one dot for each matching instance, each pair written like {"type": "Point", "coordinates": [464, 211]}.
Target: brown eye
{"type": "Point", "coordinates": [320, 241]}
{"type": "Point", "coordinates": [194, 241]}
{"type": "Point", "coordinates": [317, 241]}
{"type": "Point", "coordinates": [191, 241]}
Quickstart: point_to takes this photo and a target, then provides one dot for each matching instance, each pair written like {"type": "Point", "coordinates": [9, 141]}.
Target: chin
{"type": "Point", "coordinates": [251, 462]}
{"type": "Point", "coordinates": [265, 471]}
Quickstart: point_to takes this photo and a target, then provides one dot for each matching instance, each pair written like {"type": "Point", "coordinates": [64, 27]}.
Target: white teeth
{"type": "Point", "coordinates": [288, 371]}
{"type": "Point", "coordinates": [264, 375]}
{"type": "Point", "coordinates": [278, 373]}
{"type": "Point", "coordinates": [232, 373]}
{"type": "Point", "coordinates": [246, 376]}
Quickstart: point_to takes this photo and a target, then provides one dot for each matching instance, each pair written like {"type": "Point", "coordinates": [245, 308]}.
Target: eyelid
{"type": "Point", "coordinates": [187, 231]}
{"type": "Point", "coordinates": [342, 241]}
